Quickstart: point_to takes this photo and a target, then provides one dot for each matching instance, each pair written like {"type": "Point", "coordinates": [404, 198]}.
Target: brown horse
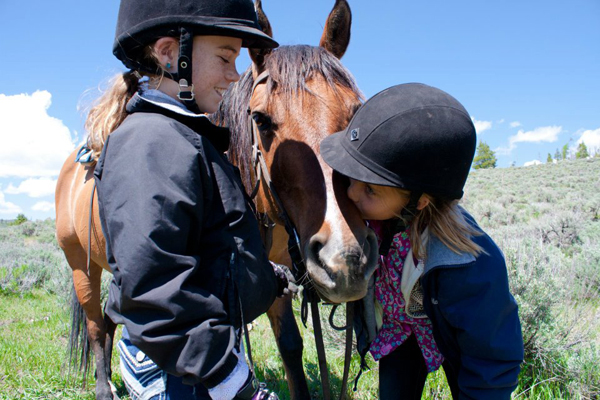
{"type": "Point", "coordinates": [307, 96]}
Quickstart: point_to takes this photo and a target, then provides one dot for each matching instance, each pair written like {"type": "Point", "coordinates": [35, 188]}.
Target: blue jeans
{"type": "Point", "coordinates": [146, 381]}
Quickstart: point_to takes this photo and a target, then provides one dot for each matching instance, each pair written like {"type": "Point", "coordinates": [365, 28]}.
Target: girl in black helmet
{"type": "Point", "coordinates": [441, 292]}
{"type": "Point", "coordinates": [182, 241]}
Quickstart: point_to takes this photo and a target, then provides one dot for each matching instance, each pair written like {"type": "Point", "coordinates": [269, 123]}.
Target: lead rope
{"type": "Point", "coordinates": [314, 308]}
{"type": "Point", "coordinates": [348, 353]}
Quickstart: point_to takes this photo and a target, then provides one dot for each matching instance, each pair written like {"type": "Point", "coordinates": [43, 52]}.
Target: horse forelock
{"type": "Point", "coordinates": [290, 69]}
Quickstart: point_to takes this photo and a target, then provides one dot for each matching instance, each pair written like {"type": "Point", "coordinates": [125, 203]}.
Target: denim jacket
{"type": "Point", "coordinates": [475, 318]}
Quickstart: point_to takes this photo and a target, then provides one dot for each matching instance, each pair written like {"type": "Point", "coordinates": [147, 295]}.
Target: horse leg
{"type": "Point", "coordinates": [111, 326]}
{"type": "Point", "coordinates": [87, 288]}
{"type": "Point", "coordinates": [290, 346]}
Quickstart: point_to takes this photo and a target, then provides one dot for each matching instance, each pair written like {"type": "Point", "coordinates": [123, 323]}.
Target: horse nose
{"type": "Point", "coordinates": [339, 269]}
{"type": "Point", "coordinates": [352, 261]}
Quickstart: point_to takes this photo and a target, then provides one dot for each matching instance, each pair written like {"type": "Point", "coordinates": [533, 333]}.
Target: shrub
{"type": "Point", "coordinates": [30, 258]}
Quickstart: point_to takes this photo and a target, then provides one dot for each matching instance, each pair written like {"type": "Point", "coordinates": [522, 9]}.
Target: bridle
{"type": "Point", "coordinates": [261, 173]}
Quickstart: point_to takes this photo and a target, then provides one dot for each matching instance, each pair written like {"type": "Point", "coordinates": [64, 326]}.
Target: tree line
{"type": "Point", "coordinates": [486, 157]}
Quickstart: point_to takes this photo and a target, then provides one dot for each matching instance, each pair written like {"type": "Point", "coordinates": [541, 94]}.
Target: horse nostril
{"type": "Point", "coordinates": [314, 247]}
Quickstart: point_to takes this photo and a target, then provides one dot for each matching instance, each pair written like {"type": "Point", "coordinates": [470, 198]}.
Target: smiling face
{"type": "Point", "coordinates": [214, 69]}
{"type": "Point", "coordinates": [377, 202]}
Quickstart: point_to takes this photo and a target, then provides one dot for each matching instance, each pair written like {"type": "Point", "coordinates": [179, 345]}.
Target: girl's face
{"type": "Point", "coordinates": [214, 69]}
{"type": "Point", "coordinates": [377, 202]}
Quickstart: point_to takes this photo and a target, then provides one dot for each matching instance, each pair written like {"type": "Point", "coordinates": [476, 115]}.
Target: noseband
{"type": "Point", "coordinates": [261, 172]}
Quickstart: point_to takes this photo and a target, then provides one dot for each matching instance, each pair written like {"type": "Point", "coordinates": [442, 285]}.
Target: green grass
{"type": "Point", "coordinates": [34, 331]}
{"type": "Point", "coordinates": [34, 334]}
{"type": "Point", "coordinates": [270, 369]}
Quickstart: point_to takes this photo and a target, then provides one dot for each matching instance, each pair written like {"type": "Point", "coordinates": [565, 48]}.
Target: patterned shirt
{"type": "Point", "coordinates": [397, 325]}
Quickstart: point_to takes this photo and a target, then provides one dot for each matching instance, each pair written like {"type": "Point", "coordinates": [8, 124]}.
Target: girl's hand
{"type": "Point", "coordinates": [286, 283]}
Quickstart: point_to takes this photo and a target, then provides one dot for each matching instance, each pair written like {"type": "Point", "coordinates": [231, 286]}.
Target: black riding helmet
{"type": "Point", "coordinates": [140, 22]}
{"type": "Point", "coordinates": [410, 136]}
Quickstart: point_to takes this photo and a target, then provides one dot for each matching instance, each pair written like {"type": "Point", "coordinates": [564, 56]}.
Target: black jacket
{"type": "Point", "coordinates": [182, 241]}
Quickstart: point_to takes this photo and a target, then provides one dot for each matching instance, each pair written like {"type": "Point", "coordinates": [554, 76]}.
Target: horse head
{"type": "Point", "coordinates": [303, 94]}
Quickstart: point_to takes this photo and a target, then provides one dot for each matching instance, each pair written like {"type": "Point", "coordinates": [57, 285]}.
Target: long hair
{"type": "Point", "coordinates": [446, 220]}
{"type": "Point", "coordinates": [109, 111]}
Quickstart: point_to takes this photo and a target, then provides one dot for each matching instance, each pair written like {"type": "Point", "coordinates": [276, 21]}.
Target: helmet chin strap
{"type": "Point", "coordinates": [407, 214]}
{"type": "Point", "coordinates": [183, 76]}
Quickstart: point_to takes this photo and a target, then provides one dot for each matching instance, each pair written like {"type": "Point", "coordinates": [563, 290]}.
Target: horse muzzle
{"type": "Point", "coordinates": [341, 271]}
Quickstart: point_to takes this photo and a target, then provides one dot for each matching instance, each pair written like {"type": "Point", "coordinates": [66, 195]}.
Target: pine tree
{"type": "Point", "coordinates": [565, 150]}
{"type": "Point", "coordinates": [582, 151]}
{"type": "Point", "coordinates": [557, 155]}
{"type": "Point", "coordinates": [549, 159]}
{"type": "Point", "coordinates": [485, 158]}
{"type": "Point", "coordinates": [21, 218]}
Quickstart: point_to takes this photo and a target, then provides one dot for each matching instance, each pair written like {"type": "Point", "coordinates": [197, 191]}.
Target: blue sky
{"type": "Point", "coordinates": [528, 72]}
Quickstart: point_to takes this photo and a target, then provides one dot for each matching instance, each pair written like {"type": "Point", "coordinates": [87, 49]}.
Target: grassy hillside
{"type": "Point", "coordinates": [545, 218]}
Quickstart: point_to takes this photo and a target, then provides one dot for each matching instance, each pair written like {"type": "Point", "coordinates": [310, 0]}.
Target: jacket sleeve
{"type": "Point", "coordinates": [151, 198]}
{"type": "Point", "coordinates": [483, 318]}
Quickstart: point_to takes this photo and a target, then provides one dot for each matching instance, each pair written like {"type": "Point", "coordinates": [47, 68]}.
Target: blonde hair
{"type": "Point", "coordinates": [108, 112]}
{"type": "Point", "coordinates": [446, 220]}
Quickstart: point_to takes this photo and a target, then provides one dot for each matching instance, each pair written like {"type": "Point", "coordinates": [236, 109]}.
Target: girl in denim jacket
{"type": "Point", "coordinates": [440, 296]}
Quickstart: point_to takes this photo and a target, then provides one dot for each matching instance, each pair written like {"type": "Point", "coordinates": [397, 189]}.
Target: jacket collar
{"type": "Point", "coordinates": [155, 101]}
{"type": "Point", "coordinates": [438, 254]}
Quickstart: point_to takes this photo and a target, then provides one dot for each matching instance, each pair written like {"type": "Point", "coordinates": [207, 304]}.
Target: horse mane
{"type": "Point", "coordinates": [290, 68]}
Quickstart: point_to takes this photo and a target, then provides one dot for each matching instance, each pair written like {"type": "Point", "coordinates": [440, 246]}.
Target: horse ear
{"type": "Point", "coordinates": [258, 55]}
{"type": "Point", "coordinates": [336, 34]}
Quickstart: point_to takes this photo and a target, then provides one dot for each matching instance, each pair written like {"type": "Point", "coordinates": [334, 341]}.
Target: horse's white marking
{"type": "Point", "coordinates": [334, 218]}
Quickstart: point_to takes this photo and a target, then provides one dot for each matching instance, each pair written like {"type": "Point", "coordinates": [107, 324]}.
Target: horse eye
{"type": "Point", "coordinates": [263, 122]}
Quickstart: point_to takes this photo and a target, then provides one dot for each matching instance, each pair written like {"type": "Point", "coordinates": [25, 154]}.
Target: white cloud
{"type": "Point", "coordinates": [32, 143]}
{"type": "Point", "coordinates": [541, 134]}
{"type": "Point", "coordinates": [481, 126]}
{"type": "Point", "coordinates": [532, 162]}
{"type": "Point", "coordinates": [44, 206]}
{"type": "Point", "coordinates": [39, 187]}
{"type": "Point", "coordinates": [515, 124]}
{"type": "Point", "coordinates": [591, 138]}
{"type": "Point", "coordinates": [8, 207]}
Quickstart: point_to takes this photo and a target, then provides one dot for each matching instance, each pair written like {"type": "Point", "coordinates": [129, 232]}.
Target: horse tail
{"type": "Point", "coordinates": [79, 344]}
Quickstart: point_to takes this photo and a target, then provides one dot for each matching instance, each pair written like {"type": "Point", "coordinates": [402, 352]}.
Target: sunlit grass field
{"type": "Point", "coordinates": [545, 218]}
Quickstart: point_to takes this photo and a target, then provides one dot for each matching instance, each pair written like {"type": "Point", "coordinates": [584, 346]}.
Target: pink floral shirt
{"type": "Point", "coordinates": [397, 325]}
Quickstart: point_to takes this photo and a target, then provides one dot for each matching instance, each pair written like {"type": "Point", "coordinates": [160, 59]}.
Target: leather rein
{"type": "Point", "coordinates": [261, 173]}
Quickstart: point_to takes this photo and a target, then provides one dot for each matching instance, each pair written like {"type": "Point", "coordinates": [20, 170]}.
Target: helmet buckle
{"type": "Point", "coordinates": [186, 92]}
